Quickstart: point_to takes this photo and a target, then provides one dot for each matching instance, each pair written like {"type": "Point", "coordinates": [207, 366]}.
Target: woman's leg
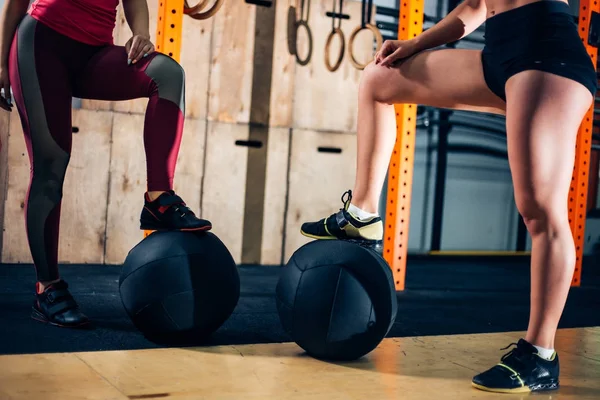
{"type": "Point", "coordinates": [543, 116]}
{"type": "Point", "coordinates": [107, 76]}
{"type": "Point", "coordinates": [440, 78]}
{"type": "Point", "coordinates": [544, 112]}
{"type": "Point", "coordinates": [42, 94]}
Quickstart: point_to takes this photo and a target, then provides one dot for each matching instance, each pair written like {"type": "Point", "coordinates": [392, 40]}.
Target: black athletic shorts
{"type": "Point", "coordinates": [538, 36]}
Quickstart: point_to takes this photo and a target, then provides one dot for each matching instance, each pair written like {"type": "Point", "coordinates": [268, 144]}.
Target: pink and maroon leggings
{"type": "Point", "coordinates": [46, 70]}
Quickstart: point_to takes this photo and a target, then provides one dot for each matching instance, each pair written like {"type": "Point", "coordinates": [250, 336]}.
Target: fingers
{"type": "Point", "coordinates": [128, 47]}
{"type": "Point", "coordinates": [389, 60]}
{"type": "Point", "coordinates": [385, 49]}
{"type": "Point", "coordinates": [134, 51]}
{"type": "Point", "coordinates": [140, 48]}
{"type": "Point", "coordinates": [148, 49]}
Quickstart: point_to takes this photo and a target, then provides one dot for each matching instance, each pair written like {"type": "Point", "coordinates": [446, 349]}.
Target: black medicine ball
{"type": "Point", "coordinates": [336, 300]}
{"type": "Point", "coordinates": [179, 285]}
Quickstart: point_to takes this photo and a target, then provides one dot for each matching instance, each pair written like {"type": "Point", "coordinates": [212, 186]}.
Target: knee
{"type": "Point", "coordinates": [169, 78]}
{"type": "Point", "coordinates": [375, 83]}
{"type": "Point", "coordinates": [47, 182]}
{"type": "Point", "coordinates": [540, 213]}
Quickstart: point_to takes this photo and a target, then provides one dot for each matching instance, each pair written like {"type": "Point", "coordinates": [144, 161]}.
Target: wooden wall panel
{"type": "Point", "coordinates": [284, 68]}
{"type": "Point", "coordinates": [4, 127]}
{"type": "Point", "coordinates": [225, 184]}
{"type": "Point", "coordinates": [128, 180]}
{"type": "Point", "coordinates": [15, 247]}
{"type": "Point", "coordinates": [232, 53]}
{"type": "Point", "coordinates": [326, 100]}
{"type": "Point", "coordinates": [83, 213]}
{"type": "Point", "coordinates": [233, 46]}
{"type": "Point", "coordinates": [317, 180]}
{"type": "Point", "coordinates": [275, 196]}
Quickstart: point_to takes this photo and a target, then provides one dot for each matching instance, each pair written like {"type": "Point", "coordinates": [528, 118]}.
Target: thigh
{"type": "Point", "coordinates": [448, 78]}
{"type": "Point", "coordinates": [41, 85]}
{"type": "Point", "coordinates": [544, 112]}
{"type": "Point", "coordinates": [107, 76]}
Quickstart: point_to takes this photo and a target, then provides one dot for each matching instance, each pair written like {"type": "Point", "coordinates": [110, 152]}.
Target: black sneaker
{"type": "Point", "coordinates": [521, 370]}
{"type": "Point", "coordinates": [56, 306]}
{"type": "Point", "coordinates": [345, 226]}
{"type": "Point", "coordinates": [169, 213]}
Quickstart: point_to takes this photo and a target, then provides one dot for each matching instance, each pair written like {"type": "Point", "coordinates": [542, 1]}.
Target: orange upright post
{"type": "Point", "coordinates": [581, 170]}
{"type": "Point", "coordinates": [168, 32]}
{"type": "Point", "coordinates": [168, 27]}
{"type": "Point", "coordinates": [400, 175]}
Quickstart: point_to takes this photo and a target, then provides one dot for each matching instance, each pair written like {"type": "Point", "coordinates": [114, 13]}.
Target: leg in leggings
{"type": "Point", "coordinates": [158, 77]}
{"type": "Point", "coordinates": [107, 76]}
{"type": "Point", "coordinates": [41, 84]}
{"type": "Point", "coordinates": [46, 69]}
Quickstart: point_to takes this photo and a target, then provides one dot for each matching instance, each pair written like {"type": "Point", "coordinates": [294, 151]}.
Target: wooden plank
{"type": "Point", "coordinates": [15, 248]}
{"type": "Point", "coordinates": [317, 180]}
{"type": "Point", "coordinates": [275, 196]}
{"type": "Point", "coordinates": [223, 200]}
{"type": "Point", "coordinates": [128, 180]}
{"type": "Point", "coordinates": [195, 60]}
{"type": "Point", "coordinates": [83, 221]}
{"type": "Point", "coordinates": [83, 212]}
{"type": "Point", "coordinates": [412, 368]}
{"type": "Point", "coordinates": [283, 71]}
{"type": "Point", "coordinates": [232, 53]}
{"type": "Point", "coordinates": [326, 100]}
{"type": "Point", "coordinates": [4, 125]}
{"type": "Point", "coordinates": [64, 376]}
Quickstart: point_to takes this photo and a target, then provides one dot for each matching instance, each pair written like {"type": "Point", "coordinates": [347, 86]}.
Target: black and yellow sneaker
{"type": "Point", "coordinates": [55, 306]}
{"type": "Point", "coordinates": [170, 213]}
{"type": "Point", "coordinates": [345, 226]}
{"type": "Point", "coordinates": [521, 370]}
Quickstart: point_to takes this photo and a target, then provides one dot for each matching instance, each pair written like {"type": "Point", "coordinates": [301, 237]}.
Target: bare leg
{"type": "Point", "coordinates": [439, 78]}
{"type": "Point", "coordinates": [544, 112]}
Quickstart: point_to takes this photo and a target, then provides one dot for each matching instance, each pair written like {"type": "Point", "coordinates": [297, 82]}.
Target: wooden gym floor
{"type": "Point", "coordinates": [433, 367]}
{"type": "Point", "coordinates": [451, 324]}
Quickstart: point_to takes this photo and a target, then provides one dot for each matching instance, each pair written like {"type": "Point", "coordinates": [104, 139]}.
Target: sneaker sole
{"type": "Point", "coordinates": [524, 389]}
{"type": "Point", "coordinates": [38, 316]}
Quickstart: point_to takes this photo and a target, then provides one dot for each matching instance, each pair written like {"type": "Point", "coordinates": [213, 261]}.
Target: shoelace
{"type": "Point", "coordinates": [515, 353]}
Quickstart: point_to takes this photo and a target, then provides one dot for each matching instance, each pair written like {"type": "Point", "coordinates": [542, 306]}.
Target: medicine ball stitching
{"type": "Point", "coordinates": [156, 261]}
{"type": "Point", "coordinates": [337, 286]}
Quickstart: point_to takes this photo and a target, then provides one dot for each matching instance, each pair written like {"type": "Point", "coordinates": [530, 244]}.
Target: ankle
{"type": "Point", "coordinates": [365, 205]}
{"type": "Point", "coordinates": [42, 285]}
{"type": "Point", "coordinates": [154, 194]}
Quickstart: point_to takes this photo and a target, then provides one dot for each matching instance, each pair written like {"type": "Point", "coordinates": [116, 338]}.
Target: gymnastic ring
{"type": "Point", "coordinates": [310, 42]}
{"type": "Point", "coordinates": [211, 11]}
{"type": "Point", "coordinates": [195, 9]}
{"type": "Point", "coordinates": [334, 32]}
{"type": "Point", "coordinates": [359, 28]}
